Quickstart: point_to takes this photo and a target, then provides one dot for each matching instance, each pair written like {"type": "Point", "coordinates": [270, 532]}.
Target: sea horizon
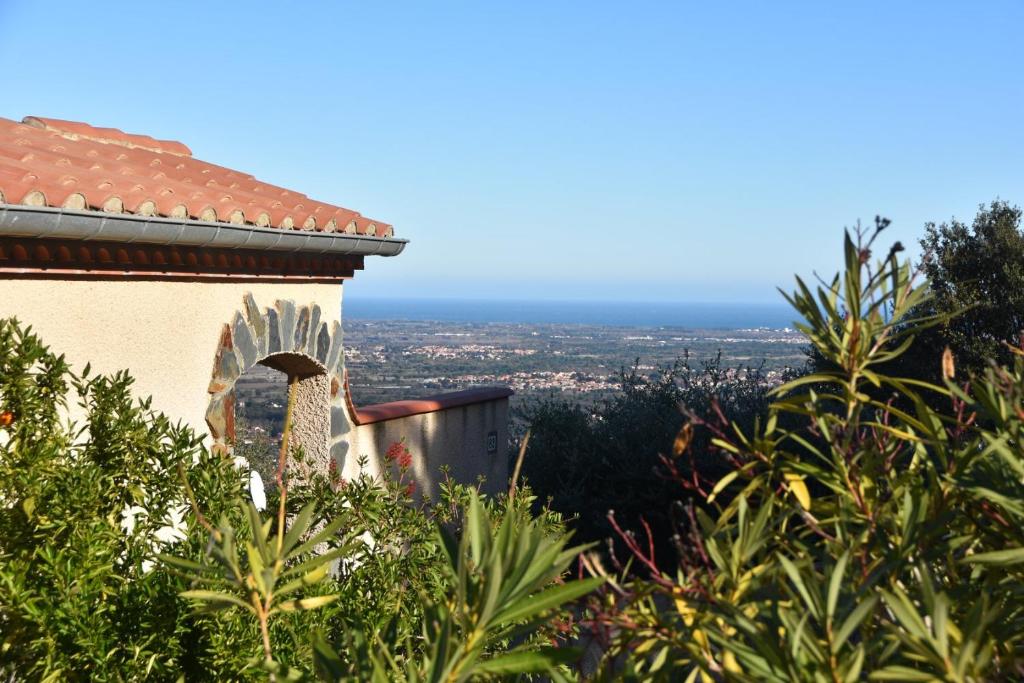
{"type": "Point", "coordinates": [688, 314]}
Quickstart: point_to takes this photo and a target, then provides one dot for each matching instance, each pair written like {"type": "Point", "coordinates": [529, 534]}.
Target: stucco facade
{"type": "Point", "coordinates": [165, 333]}
{"type": "Point", "coordinates": [128, 253]}
{"type": "Point", "coordinates": [185, 343]}
{"type": "Point", "coordinates": [469, 441]}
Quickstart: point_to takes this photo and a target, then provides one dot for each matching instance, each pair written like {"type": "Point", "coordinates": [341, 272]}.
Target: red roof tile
{"type": "Point", "coordinates": [50, 162]}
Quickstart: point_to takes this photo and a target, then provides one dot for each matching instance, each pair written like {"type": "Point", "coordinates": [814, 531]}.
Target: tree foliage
{"type": "Point", "coordinates": [864, 542]}
{"type": "Point", "coordinates": [584, 461]}
{"type": "Point", "coordinates": [976, 274]}
{"type": "Point", "coordinates": [84, 510]}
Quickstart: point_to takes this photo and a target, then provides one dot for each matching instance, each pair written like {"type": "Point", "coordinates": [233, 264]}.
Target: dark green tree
{"type": "Point", "coordinates": [976, 274]}
{"type": "Point", "coordinates": [976, 277]}
{"type": "Point", "coordinates": [584, 462]}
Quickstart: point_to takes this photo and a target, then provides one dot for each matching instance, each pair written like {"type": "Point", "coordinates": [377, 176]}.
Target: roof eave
{"type": "Point", "coordinates": [43, 222]}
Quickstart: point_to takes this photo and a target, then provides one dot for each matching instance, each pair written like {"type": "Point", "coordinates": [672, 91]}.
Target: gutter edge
{"type": "Point", "coordinates": [45, 222]}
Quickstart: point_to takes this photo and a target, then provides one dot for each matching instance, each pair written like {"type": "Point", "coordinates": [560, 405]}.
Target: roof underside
{"type": "Point", "coordinates": [64, 164]}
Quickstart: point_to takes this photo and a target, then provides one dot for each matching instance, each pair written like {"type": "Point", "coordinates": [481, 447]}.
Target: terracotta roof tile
{"type": "Point", "coordinates": [50, 162]}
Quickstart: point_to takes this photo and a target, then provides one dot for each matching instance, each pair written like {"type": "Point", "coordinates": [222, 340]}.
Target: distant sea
{"type": "Point", "coordinates": [611, 313]}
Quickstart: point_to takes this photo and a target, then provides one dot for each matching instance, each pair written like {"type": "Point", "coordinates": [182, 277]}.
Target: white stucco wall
{"type": "Point", "coordinates": [453, 437]}
{"type": "Point", "coordinates": [165, 333]}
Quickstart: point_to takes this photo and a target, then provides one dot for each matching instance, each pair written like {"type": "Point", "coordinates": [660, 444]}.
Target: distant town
{"type": "Point", "coordinates": [392, 360]}
{"type": "Point", "coordinates": [395, 360]}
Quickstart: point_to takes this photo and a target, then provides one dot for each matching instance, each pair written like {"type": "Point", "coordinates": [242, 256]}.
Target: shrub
{"type": "Point", "coordinates": [493, 589]}
{"type": "Point", "coordinates": [583, 462]}
{"type": "Point", "coordinates": [506, 575]}
{"type": "Point", "coordinates": [83, 513]}
{"type": "Point", "coordinates": [107, 547]}
{"type": "Point", "coordinates": [863, 542]}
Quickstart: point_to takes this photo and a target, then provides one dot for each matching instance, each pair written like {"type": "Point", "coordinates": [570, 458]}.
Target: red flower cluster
{"type": "Point", "coordinates": [399, 454]}
{"type": "Point", "coordinates": [334, 477]}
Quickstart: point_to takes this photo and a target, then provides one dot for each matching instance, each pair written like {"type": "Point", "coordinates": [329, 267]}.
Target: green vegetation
{"type": "Point", "coordinates": [106, 550]}
{"type": "Point", "coordinates": [83, 512]}
{"type": "Point", "coordinates": [583, 461]}
{"type": "Point", "coordinates": [976, 275]}
{"type": "Point", "coordinates": [851, 524]}
{"type": "Point", "coordinates": [976, 279]}
{"type": "Point", "coordinates": [863, 542]}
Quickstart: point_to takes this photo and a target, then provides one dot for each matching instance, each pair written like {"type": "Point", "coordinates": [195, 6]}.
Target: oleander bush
{"type": "Point", "coordinates": [851, 539]}
{"type": "Point", "coordinates": [84, 510]}
{"type": "Point", "coordinates": [129, 552]}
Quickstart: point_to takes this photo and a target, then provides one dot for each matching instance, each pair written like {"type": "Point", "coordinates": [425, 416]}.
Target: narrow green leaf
{"type": "Point", "coordinates": [214, 596]}
{"type": "Point", "coordinates": [940, 624]}
{"type": "Point", "coordinates": [315, 560]}
{"type": "Point", "coordinates": [478, 528]}
{"type": "Point", "coordinates": [856, 666]}
{"type": "Point", "coordinates": [659, 660]}
{"type": "Point", "coordinates": [798, 582]}
{"type": "Point", "coordinates": [906, 613]}
{"type": "Point", "coordinates": [326, 662]}
{"type": "Point", "coordinates": [492, 589]}
{"type": "Point", "coordinates": [257, 567]}
{"type": "Point", "coordinates": [308, 579]}
{"type": "Point", "coordinates": [531, 661]}
{"type": "Point", "coordinates": [853, 620]}
{"type": "Point", "coordinates": [298, 527]}
{"type": "Point", "coordinates": [997, 557]}
{"type": "Point", "coordinates": [305, 603]}
{"type": "Point", "coordinates": [321, 536]}
{"type": "Point", "coordinates": [721, 484]}
{"type": "Point", "coordinates": [835, 584]}
{"type": "Point", "coordinates": [258, 536]}
{"type": "Point", "coordinates": [182, 563]}
{"type": "Point", "coordinates": [553, 597]}
{"type": "Point", "coordinates": [900, 673]}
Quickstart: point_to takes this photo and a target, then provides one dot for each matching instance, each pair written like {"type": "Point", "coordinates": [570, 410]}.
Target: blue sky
{"type": "Point", "coordinates": [631, 151]}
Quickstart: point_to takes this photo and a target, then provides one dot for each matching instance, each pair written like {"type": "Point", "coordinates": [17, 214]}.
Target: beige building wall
{"type": "Point", "coordinates": [170, 336]}
{"type": "Point", "coordinates": [165, 333]}
{"type": "Point", "coordinates": [453, 437]}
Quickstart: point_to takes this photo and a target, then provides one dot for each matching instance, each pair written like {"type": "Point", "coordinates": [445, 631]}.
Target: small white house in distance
{"type": "Point", "coordinates": [127, 252]}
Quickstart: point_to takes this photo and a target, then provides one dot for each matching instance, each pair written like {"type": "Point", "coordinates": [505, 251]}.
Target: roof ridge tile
{"type": "Point", "coordinates": [74, 130]}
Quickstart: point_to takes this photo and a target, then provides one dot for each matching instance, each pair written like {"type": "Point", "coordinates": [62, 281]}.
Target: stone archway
{"type": "Point", "coordinates": [294, 340]}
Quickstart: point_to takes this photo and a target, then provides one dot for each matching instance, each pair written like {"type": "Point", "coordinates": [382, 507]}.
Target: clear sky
{"type": "Point", "coordinates": [630, 150]}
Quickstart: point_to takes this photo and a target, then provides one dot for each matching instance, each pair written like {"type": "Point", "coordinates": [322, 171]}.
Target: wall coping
{"type": "Point", "coordinates": [382, 412]}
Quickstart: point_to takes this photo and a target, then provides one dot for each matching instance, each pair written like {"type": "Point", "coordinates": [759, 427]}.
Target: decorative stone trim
{"type": "Point", "coordinates": [296, 341]}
